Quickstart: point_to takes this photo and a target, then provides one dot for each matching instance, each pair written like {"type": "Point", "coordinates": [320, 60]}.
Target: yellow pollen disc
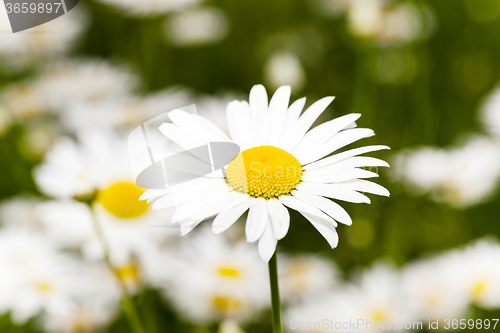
{"type": "Point", "coordinates": [128, 271]}
{"type": "Point", "coordinates": [378, 315]}
{"type": "Point", "coordinates": [226, 303]}
{"type": "Point", "coordinates": [478, 290]}
{"type": "Point", "coordinates": [264, 171]}
{"type": "Point", "coordinates": [44, 287]}
{"type": "Point", "coordinates": [229, 272]}
{"type": "Point", "coordinates": [122, 200]}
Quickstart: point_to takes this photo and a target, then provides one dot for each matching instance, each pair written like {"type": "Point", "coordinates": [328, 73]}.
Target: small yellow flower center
{"type": "Point", "coordinates": [478, 290]}
{"type": "Point", "coordinates": [264, 171]}
{"type": "Point", "coordinates": [122, 200]}
{"type": "Point", "coordinates": [128, 272]}
{"type": "Point", "coordinates": [229, 272]}
{"type": "Point", "coordinates": [226, 303]}
{"type": "Point", "coordinates": [43, 287]}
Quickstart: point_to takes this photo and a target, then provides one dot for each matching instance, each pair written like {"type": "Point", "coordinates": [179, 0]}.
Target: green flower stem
{"type": "Point", "coordinates": [275, 294]}
{"type": "Point", "coordinates": [127, 304]}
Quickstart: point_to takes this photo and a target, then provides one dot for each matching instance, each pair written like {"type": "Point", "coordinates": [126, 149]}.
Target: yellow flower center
{"type": "Point", "coordinates": [229, 272]}
{"type": "Point", "coordinates": [225, 303]}
{"type": "Point", "coordinates": [122, 200]}
{"type": "Point", "coordinates": [264, 171]}
{"type": "Point", "coordinates": [478, 290]}
{"type": "Point", "coordinates": [378, 316]}
{"type": "Point", "coordinates": [128, 272]}
{"type": "Point", "coordinates": [43, 287]}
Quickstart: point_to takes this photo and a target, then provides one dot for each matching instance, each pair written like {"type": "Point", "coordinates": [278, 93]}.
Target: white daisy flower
{"type": "Point", "coordinates": [285, 68]}
{"type": "Point", "coordinates": [144, 8]}
{"type": "Point", "coordinates": [210, 279]}
{"type": "Point", "coordinates": [461, 176]}
{"type": "Point", "coordinates": [20, 212]}
{"type": "Point", "coordinates": [97, 165]}
{"type": "Point", "coordinates": [478, 273]}
{"type": "Point", "coordinates": [197, 27]}
{"type": "Point", "coordinates": [123, 112]}
{"type": "Point", "coordinates": [24, 101]}
{"type": "Point", "coordinates": [87, 316]}
{"type": "Point", "coordinates": [490, 113]}
{"type": "Point", "coordinates": [431, 289]}
{"type": "Point", "coordinates": [41, 43]}
{"type": "Point", "coordinates": [36, 278]}
{"type": "Point", "coordinates": [305, 276]}
{"type": "Point", "coordinates": [75, 81]}
{"type": "Point", "coordinates": [325, 313]}
{"type": "Point", "coordinates": [282, 164]}
{"type": "Point", "coordinates": [379, 295]}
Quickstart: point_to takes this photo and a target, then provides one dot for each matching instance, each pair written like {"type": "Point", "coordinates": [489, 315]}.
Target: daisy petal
{"type": "Point", "coordinates": [365, 186]}
{"type": "Point", "coordinates": [324, 176]}
{"type": "Point", "coordinates": [181, 137]}
{"type": "Point", "coordinates": [302, 207]}
{"type": "Point", "coordinates": [257, 220]}
{"type": "Point", "coordinates": [333, 191]}
{"type": "Point", "coordinates": [292, 115]}
{"type": "Point", "coordinates": [325, 229]}
{"type": "Point", "coordinates": [186, 227]}
{"type": "Point", "coordinates": [267, 244]}
{"type": "Point", "coordinates": [328, 206]}
{"type": "Point", "coordinates": [360, 161]}
{"type": "Point", "coordinates": [277, 113]}
{"type": "Point", "coordinates": [192, 125]}
{"type": "Point", "coordinates": [214, 129]}
{"type": "Point", "coordinates": [258, 109]}
{"type": "Point", "coordinates": [227, 218]}
{"type": "Point", "coordinates": [322, 133]}
{"type": "Point", "coordinates": [238, 119]}
{"type": "Point", "coordinates": [228, 201]}
{"type": "Point", "coordinates": [306, 120]}
{"type": "Point", "coordinates": [343, 155]}
{"type": "Point", "coordinates": [280, 217]}
{"type": "Point", "coordinates": [200, 204]}
{"type": "Point", "coordinates": [338, 141]}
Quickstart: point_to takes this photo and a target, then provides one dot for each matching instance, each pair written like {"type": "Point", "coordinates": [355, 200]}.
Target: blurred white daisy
{"type": "Point", "coordinates": [285, 68]}
{"type": "Point", "coordinates": [125, 111]}
{"type": "Point", "coordinates": [305, 276]}
{"type": "Point", "coordinates": [230, 326]}
{"type": "Point", "coordinates": [75, 81]}
{"type": "Point", "coordinates": [20, 212]}
{"type": "Point", "coordinates": [323, 313]}
{"type": "Point", "coordinates": [386, 22]}
{"type": "Point", "coordinates": [41, 43]}
{"type": "Point", "coordinates": [282, 164]}
{"type": "Point", "coordinates": [378, 295]}
{"type": "Point", "coordinates": [431, 288]}
{"type": "Point", "coordinates": [89, 315]}
{"type": "Point", "coordinates": [149, 7]}
{"type": "Point", "coordinates": [490, 113]}
{"type": "Point", "coordinates": [461, 176]}
{"type": "Point", "coordinates": [196, 27]}
{"type": "Point", "coordinates": [211, 279]}
{"type": "Point", "coordinates": [36, 278]}
{"type": "Point", "coordinates": [97, 168]}
{"type": "Point", "coordinates": [23, 101]}
{"type": "Point", "coordinates": [478, 273]}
